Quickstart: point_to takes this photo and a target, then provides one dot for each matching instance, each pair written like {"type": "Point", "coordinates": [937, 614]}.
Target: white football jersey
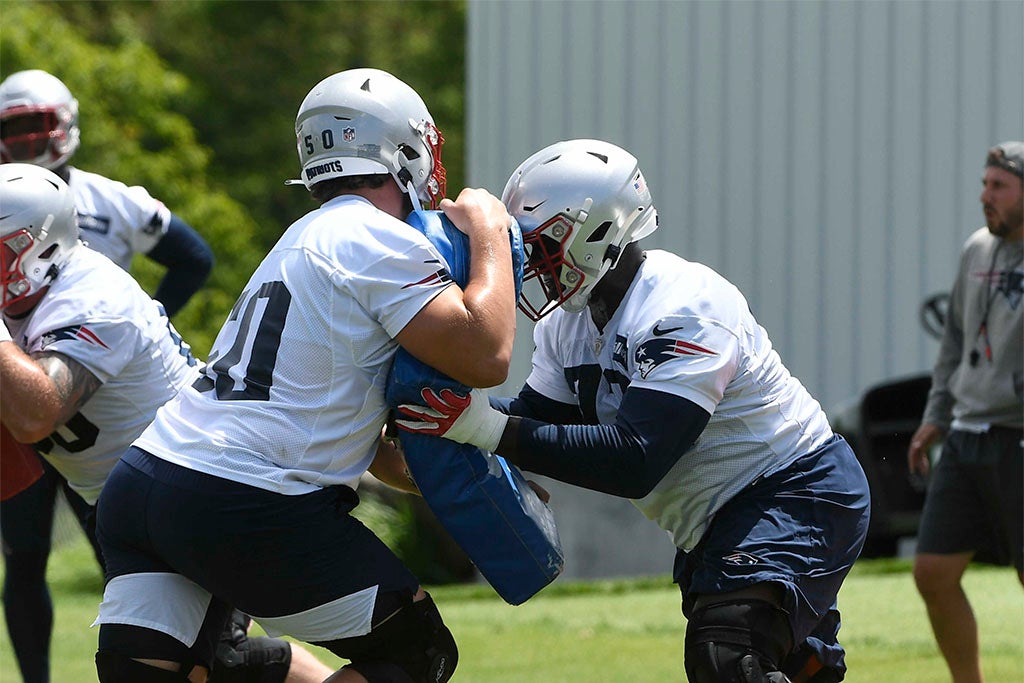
{"type": "Point", "coordinates": [114, 219]}
{"type": "Point", "coordinates": [685, 330]}
{"type": "Point", "coordinates": [96, 314]}
{"type": "Point", "coordinates": [292, 396]}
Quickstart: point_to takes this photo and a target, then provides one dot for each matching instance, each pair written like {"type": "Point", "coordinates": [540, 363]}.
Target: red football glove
{"type": "Point", "coordinates": [465, 418]}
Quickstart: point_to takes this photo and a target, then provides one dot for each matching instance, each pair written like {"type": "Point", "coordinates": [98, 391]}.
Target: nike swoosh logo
{"type": "Point", "coordinates": [659, 332]}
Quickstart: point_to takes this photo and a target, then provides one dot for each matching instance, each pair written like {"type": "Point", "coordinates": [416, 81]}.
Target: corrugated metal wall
{"type": "Point", "coordinates": [824, 156]}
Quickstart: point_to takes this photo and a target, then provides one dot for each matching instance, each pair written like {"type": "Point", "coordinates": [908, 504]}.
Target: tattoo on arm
{"type": "Point", "coordinates": [75, 384]}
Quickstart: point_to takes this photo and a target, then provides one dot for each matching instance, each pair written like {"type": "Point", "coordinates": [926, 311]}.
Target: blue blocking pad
{"type": "Point", "coordinates": [480, 498]}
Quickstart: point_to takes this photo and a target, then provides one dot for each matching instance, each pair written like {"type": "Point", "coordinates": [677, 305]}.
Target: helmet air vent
{"type": "Point", "coordinates": [408, 152]}
{"type": "Point", "coordinates": [600, 233]}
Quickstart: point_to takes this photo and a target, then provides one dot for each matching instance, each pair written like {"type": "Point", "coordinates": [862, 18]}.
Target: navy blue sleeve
{"type": "Point", "coordinates": [530, 403]}
{"type": "Point", "coordinates": [188, 260]}
{"type": "Point", "coordinates": [652, 430]}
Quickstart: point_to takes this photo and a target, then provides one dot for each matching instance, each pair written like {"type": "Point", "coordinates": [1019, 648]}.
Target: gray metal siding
{"type": "Point", "coordinates": [823, 156]}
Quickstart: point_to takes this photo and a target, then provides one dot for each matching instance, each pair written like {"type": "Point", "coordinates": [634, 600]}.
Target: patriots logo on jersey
{"type": "Point", "coordinates": [72, 332]}
{"type": "Point", "coordinates": [439, 277]}
{"type": "Point", "coordinates": [657, 351]}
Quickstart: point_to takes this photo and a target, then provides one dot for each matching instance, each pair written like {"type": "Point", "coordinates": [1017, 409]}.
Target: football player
{"type": "Point", "coordinates": [39, 125]}
{"type": "Point", "coordinates": [86, 358]}
{"type": "Point", "coordinates": [652, 381]}
{"type": "Point", "coordinates": [260, 458]}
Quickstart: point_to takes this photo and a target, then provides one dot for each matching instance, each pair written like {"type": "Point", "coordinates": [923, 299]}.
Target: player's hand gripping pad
{"type": "Point", "coordinates": [481, 499]}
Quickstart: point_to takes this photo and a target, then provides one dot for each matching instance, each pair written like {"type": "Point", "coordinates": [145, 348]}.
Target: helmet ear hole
{"type": "Point", "coordinates": [600, 233]}
{"type": "Point", "coordinates": [408, 152]}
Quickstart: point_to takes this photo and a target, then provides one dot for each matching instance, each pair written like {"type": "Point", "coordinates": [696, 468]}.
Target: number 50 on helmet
{"type": "Point", "coordinates": [579, 203]}
{"type": "Point", "coordinates": [366, 122]}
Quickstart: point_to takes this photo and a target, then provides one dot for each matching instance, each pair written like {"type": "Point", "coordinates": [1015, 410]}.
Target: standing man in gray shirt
{"type": "Point", "coordinates": [974, 499]}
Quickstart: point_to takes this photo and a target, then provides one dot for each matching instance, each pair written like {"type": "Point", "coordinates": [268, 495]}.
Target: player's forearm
{"type": "Point", "coordinates": [624, 459]}
{"type": "Point", "coordinates": [178, 286]}
{"type": "Point", "coordinates": [188, 259]}
{"type": "Point", "coordinates": [30, 404]}
{"type": "Point", "coordinates": [601, 458]}
{"type": "Point", "coordinates": [530, 403]}
{"type": "Point", "coordinates": [389, 467]}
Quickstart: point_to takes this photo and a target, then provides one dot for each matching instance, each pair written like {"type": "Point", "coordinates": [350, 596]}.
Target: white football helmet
{"type": "Point", "coordinates": [366, 121]}
{"type": "Point", "coordinates": [38, 229]}
{"type": "Point", "coordinates": [579, 203]}
{"type": "Point", "coordinates": [38, 120]}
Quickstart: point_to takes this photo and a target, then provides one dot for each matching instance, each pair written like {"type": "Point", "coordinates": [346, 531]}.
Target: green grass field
{"type": "Point", "coordinates": [612, 631]}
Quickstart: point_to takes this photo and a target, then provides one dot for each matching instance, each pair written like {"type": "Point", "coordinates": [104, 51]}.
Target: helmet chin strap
{"type": "Point", "coordinates": [413, 197]}
{"type": "Point", "coordinates": [404, 179]}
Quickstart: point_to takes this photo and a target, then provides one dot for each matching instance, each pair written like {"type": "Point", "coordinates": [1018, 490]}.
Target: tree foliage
{"type": "Point", "coordinates": [196, 100]}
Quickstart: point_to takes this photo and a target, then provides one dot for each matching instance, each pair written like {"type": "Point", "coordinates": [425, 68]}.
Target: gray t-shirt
{"type": "Point", "coordinates": [978, 380]}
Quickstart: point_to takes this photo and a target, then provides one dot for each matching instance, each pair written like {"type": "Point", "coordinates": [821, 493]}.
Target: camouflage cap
{"type": "Point", "coordinates": [1008, 156]}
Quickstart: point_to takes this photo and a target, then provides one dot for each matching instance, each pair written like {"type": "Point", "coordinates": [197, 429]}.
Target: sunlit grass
{"type": "Point", "coordinates": [622, 630]}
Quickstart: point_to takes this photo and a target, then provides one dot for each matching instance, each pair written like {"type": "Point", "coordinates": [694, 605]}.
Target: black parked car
{"type": "Point", "coordinates": [879, 424]}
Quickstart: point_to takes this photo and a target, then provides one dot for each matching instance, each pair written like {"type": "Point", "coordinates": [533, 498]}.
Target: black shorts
{"type": "Point", "coordinates": [975, 498]}
{"type": "Point", "coordinates": [178, 541]}
{"type": "Point", "coordinates": [801, 528]}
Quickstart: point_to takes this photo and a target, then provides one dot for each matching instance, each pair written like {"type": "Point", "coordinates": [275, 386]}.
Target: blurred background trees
{"type": "Point", "coordinates": [196, 100]}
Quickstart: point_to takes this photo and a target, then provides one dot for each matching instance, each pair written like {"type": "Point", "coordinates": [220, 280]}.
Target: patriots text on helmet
{"type": "Point", "coordinates": [320, 169]}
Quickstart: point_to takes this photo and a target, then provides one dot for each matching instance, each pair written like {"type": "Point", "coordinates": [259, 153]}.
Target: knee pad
{"type": "Point", "coordinates": [112, 667]}
{"type": "Point", "coordinates": [411, 646]}
{"type": "Point", "coordinates": [241, 659]}
{"type": "Point", "coordinates": [739, 641]}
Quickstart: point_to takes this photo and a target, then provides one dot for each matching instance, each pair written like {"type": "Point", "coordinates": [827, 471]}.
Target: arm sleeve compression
{"type": "Point", "coordinates": [628, 458]}
{"type": "Point", "coordinates": [188, 260]}
{"type": "Point", "coordinates": [531, 403]}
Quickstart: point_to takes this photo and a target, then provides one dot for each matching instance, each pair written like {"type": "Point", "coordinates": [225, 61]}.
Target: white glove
{"type": "Point", "coordinates": [460, 418]}
{"type": "Point", "coordinates": [5, 334]}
